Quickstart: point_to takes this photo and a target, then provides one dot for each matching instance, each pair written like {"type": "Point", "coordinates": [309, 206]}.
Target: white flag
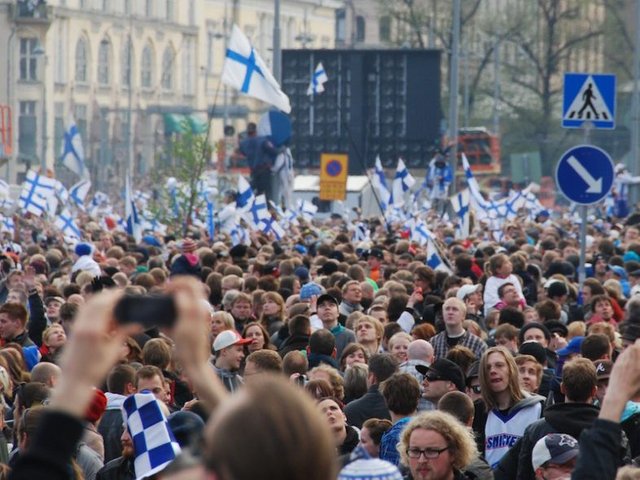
{"type": "Point", "coordinates": [245, 70]}
{"type": "Point", "coordinates": [72, 151]}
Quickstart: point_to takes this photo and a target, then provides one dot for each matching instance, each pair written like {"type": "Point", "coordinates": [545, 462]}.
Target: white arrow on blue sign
{"type": "Point", "coordinates": [585, 174]}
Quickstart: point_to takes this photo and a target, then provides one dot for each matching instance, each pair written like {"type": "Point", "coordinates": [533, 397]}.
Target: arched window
{"type": "Point", "coordinates": [104, 60]}
{"type": "Point", "coordinates": [360, 28]}
{"type": "Point", "coordinates": [168, 60]}
{"type": "Point", "coordinates": [82, 61]}
{"type": "Point", "coordinates": [146, 68]}
{"type": "Point", "coordinates": [126, 70]}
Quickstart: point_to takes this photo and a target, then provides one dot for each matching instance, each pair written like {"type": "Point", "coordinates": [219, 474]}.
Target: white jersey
{"type": "Point", "coordinates": [502, 431]}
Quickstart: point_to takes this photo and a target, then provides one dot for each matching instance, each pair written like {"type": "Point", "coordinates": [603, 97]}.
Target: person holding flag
{"type": "Point", "coordinates": [439, 178]}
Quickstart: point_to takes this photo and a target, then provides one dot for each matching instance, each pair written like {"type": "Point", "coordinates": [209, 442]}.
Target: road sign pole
{"type": "Point", "coordinates": [582, 272]}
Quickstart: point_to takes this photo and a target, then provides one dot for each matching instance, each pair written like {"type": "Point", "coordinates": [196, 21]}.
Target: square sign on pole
{"type": "Point", "coordinates": [589, 97]}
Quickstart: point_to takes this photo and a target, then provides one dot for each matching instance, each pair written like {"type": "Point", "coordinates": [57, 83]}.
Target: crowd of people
{"type": "Point", "coordinates": [321, 357]}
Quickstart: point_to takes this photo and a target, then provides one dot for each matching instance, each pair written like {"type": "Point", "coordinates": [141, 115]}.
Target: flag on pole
{"type": "Point", "coordinates": [317, 80]}
{"type": "Point", "coordinates": [36, 189]}
{"type": "Point", "coordinates": [245, 197]}
{"type": "Point", "coordinates": [380, 184]}
{"type": "Point", "coordinates": [64, 221]}
{"type": "Point", "coordinates": [402, 182]}
{"type": "Point", "coordinates": [133, 223]}
{"type": "Point", "coordinates": [72, 154]}
{"type": "Point", "coordinates": [460, 204]}
{"type": "Point", "coordinates": [78, 192]}
{"type": "Point", "coordinates": [434, 260]}
{"type": "Point", "coordinates": [245, 71]}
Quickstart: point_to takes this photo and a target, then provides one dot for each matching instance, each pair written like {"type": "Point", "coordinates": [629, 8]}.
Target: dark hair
{"type": "Point", "coordinates": [579, 379]}
{"type": "Point", "coordinates": [397, 304]}
{"type": "Point", "coordinates": [595, 346]}
{"type": "Point", "coordinates": [148, 372]}
{"type": "Point", "coordinates": [502, 287]}
{"type": "Point", "coordinates": [377, 427]}
{"type": "Point", "coordinates": [295, 362]}
{"type": "Point", "coordinates": [156, 352]}
{"type": "Point", "coordinates": [119, 377]}
{"type": "Point", "coordinates": [322, 342]}
{"type": "Point", "coordinates": [67, 312]}
{"type": "Point", "coordinates": [457, 404]}
{"type": "Point", "coordinates": [401, 393]}
{"type": "Point", "coordinates": [594, 301]}
{"type": "Point", "coordinates": [512, 316]}
{"type": "Point", "coordinates": [382, 366]}
{"type": "Point", "coordinates": [15, 311]}
{"type": "Point", "coordinates": [299, 325]}
{"type": "Point", "coordinates": [390, 329]}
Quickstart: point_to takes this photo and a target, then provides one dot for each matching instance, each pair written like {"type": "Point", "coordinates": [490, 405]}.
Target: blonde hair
{"type": "Point", "coordinates": [377, 325]}
{"type": "Point", "coordinates": [49, 330]}
{"type": "Point", "coordinates": [336, 380]}
{"type": "Point", "coordinates": [226, 318]}
{"type": "Point", "coordinates": [459, 439]}
{"type": "Point", "coordinates": [398, 336]}
{"type": "Point", "coordinates": [576, 329]}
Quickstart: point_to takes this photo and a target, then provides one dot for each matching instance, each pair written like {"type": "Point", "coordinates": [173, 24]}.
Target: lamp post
{"type": "Point", "coordinates": [39, 51]}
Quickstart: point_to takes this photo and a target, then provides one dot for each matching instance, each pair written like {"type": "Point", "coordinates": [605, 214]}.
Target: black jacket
{"type": "Point", "coordinates": [350, 442]}
{"type": "Point", "coordinates": [568, 418]}
{"type": "Point", "coordinates": [600, 450]}
{"type": "Point", "coordinates": [293, 343]}
{"type": "Point", "coordinates": [119, 469]}
{"type": "Point", "coordinates": [316, 359]}
{"type": "Point", "coordinates": [370, 405]}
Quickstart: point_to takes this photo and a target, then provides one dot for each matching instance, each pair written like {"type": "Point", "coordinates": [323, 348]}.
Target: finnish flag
{"type": "Point", "coordinates": [258, 212]}
{"type": "Point", "coordinates": [245, 71]}
{"type": "Point", "coordinates": [66, 224]}
{"type": "Point", "coordinates": [133, 223]}
{"type": "Point", "coordinates": [72, 154]}
{"type": "Point", "coordinates": [434, 260]}
{"type": "Point", "coordinates": [402, 182]}
{"type": "Point", "coordinates": [317, 81]}
{"type": "Point", "coordinates": [245, 197]}
{"type": "Point", "coordinates": [36, 190]}
{"type": "Point", "coordinates": [460, 204]}
{"type": "Point", "coordinates": [78, 192]}
{"type": "Point", "coordinates": [380, 184]}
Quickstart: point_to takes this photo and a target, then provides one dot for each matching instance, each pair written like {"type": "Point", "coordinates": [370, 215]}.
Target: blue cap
{"type": "Point", "coordinates": [619, 271]}
{"type": "Point", "coordinates": [151, 241]}
{"type": "Point", "coordinates": [572, 347]}
{"type": "Point", "coordinates": [301, 249]}
{"type": "Point", "coordinates": [302, 273]}
{"type": "Point", "coordinates": [309, 290]}
{"type": "Point", "coordinates": [631, 255]}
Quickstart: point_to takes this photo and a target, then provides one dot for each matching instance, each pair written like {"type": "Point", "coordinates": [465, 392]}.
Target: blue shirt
{"type": "Point", "coordinates": [389, 441]}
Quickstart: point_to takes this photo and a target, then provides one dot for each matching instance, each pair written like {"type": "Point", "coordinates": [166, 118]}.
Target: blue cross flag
{"type": "Point", "coordinates": [317, 81]}
{"type": "Point", "coordinates": [244, 70]}
{"type": "Point", "coordinates": [133, 223]}
{"type": "Point", "coordinates": [402, 182]}
{"type": "Point", "coordinates": [72, 154]}
{"type": "Point", "coordinates": [36, 189]}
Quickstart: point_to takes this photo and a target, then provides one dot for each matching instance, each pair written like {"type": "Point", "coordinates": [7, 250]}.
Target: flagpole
{"type": "Point", "coordinates": [313, 94]}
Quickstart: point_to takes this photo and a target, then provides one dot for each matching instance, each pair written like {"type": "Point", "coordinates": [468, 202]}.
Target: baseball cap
{"type": "Point", "coordinates": [619, 271]}
{"type": "Point", "coordinates": [310, 289]}
{"type": "Point", "coordinates": [534, 349]}
{"type": "Point", "coordinates": [572, 347]}
{"type": "Point", "coordinates": [557, 448]}
{"type": "Point", "coordinates": [228, 338]}
{"type": "Point", "coordinates": [631, 332]}
{"type": "Point", "coordinates": [326, 297]}
{"type": "Point", "coordinates": [53, 298]}
{"type": "Point", "coordinates": [465, 290]}
{"type": "Point", "coordinates": [603, 369]}
{"type": "Point", "coordinates": [443, 369]}
{"type": "Point", "coordinates": [376, 253]}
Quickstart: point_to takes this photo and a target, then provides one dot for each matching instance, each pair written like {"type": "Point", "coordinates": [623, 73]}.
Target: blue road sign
{"type": "Point", "coordinates": [585, 174]}
{"type": "Point", "coordinates": [589, 97]}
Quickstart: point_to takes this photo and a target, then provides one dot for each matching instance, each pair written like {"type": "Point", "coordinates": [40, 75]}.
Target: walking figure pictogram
{"type": "Point", "coordinates": [588, 97]}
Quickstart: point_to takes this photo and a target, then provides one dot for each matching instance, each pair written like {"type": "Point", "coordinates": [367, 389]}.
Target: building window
{"type": "Point", "coordinates": [360, 28]}
{"type": "Point", "coordinates": [189, 67]}
{"type": "Point", "coordinates": [82, 54]}
{"type": "Point", "coordinates": [148, 8]}
{"type": "Point", "coordinates": [104, 55]}
{"type": "Point", "coordinates": [27, 132]}
{"type": "Point", "coordinates": [167, 68]}
{"type": "Point", "coordinates": [170, 10]}
{"type": "Point", "coordinates": [28, 61]}
{"type": "Point", "coordinates": [341, 25]}
{"type": "Point", "coordinates": [385, 29]}
{"type": "Point", "coordinates": [127, 64]}
{"type": "Point", "coordinates": [146, 69]}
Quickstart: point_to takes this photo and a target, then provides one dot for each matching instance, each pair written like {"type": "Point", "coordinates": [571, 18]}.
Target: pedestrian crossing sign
{"type": "Point", "coordinates": [589, 98]}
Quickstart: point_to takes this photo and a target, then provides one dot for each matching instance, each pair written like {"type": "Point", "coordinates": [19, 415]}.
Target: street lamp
{"type": "Point", "coordinates": [39, 51]}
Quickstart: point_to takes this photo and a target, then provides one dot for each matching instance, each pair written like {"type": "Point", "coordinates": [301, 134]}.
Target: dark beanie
{"type": "Point", "coordinates": [528, 326]}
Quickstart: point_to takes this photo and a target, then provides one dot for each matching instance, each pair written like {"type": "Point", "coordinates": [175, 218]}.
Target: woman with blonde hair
{"type": "Point", "coordinates": [221, 321]}
{"type": "Point", "coordinates": [273, 312]}
{"type": "Point", "coordinates": [509, 408]}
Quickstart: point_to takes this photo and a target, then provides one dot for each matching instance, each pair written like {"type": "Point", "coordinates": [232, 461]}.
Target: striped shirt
{"type": "Point", "coordinates": [469, 340]}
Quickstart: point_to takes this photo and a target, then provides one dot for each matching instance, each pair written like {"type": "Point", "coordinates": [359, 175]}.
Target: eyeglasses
{"type": "Point", "coordinates": [475, 389]}
{"type": "Point", "coordinates": [429, 453]}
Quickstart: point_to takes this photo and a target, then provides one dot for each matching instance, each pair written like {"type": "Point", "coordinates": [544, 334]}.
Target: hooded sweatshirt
{"type": "Point", "coordinates": [570, 418]}
{"type": "Point", "coordinates": [504, 428]}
